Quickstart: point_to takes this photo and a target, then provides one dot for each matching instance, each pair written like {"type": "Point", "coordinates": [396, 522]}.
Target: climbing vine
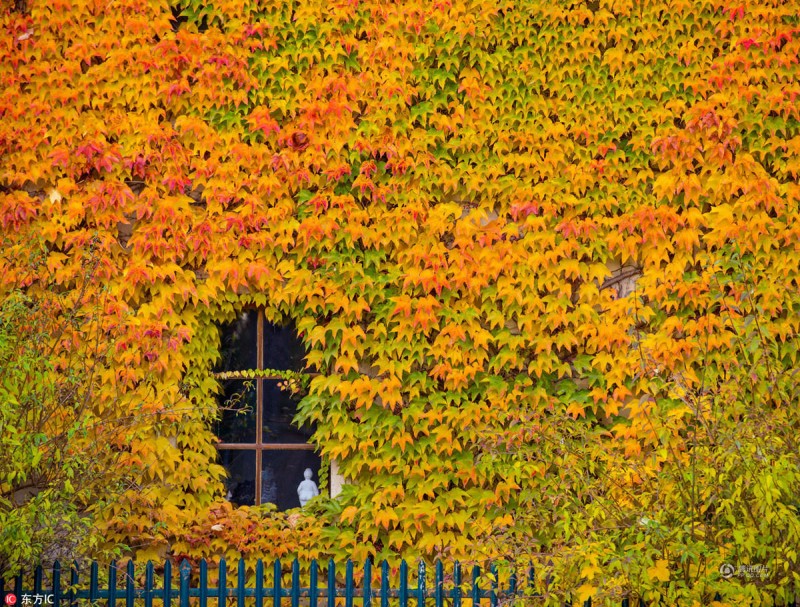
{"type": "Point", "coordinates": [531, 248]}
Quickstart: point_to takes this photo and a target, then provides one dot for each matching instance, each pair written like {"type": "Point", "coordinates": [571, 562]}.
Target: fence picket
{"type": "Point", "coordinates": [222, 585]}
{"type": "Point", "coordinates": [476, 591]}
{"type": "Point", "coordinates": [130, 589]}
{"type": "Point", "coordinates": [167, 594]}
{"type": "Point", "coordinates": [439, 582]}
{"type": "Point", "coordinates": [384, 584]}
{"type": "Point", "coordinates": [93, 594]}
{"type": "Point", "coordinates": [259, 593]}
{"type": "Point", "coordinates": [73, 584]}
{"type": "Point", "coordinates": [276, 583]}
{"type": "Point", "coordinates": [18, 585]}
{"type": "Point", "coordinates": [295, 583]}
{"type": "Point", "coordinates": [57, 584]}
{"type": "Point", "coordinates": [457, 584]}
{"type": "Point", "coordinates": [403, 584]}
{"type": "Point", "coordinates": [331, 584]}
{"type": "Point", "coordinates": [493, 589]}
{"type": "Point", "coordinates": [203, 583]}
{"type": "Point", "coordinates": [367, 583]}
{"type": "Point", "coordinates": [148, 584]}
{"type": "Point", "coordinates": [37, 580]}
{"type": "Point", "coordinates": [348, 584]}
{"type": "Point", "coordinates": [184, 573]}
{"type": "Point", "coordinates": [421, 591]}
{"type": "Point", "coordinates": [241, 585]}
{"type": "Point", "coordinates": [313, 591]}
{"type": "Point", "coordinates": [112, 584]}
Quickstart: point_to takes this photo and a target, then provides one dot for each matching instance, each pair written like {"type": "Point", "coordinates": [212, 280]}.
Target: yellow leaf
{"type": "Point", "coordinates": [584, 592]}
{"type": "Point", "coordinates": [576, 410]}
{"type": "Point", "coordinates": [659, 571]}
{"type": "Point", "coordinates": [348, 514]}
{"type": "Point", "coordinates": [590, 571]}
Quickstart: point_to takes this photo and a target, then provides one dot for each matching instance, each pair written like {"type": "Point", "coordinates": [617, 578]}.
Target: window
{"type": "Point", "coordinates": [262, 449]}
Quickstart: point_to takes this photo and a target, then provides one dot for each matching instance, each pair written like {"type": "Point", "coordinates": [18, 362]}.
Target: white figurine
{"type": "Point", "coordinates": [307, 489]}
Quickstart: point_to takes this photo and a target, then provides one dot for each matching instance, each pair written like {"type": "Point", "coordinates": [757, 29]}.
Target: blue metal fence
{"type": "Point", "coordinates": [190, 586]}
{"type": "Point", "coordinates": [328, 586]}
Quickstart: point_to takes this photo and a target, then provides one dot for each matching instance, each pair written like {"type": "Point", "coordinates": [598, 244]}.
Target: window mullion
{"type": "Point", "coordinates": [259, 402]}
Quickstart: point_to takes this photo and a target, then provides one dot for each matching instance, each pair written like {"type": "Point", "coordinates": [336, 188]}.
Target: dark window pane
{"type": "Point", "coordinates": [241, 483]}
{"type": "Point", "coordinates": [283, 349]}
{"type": "Point", "coordinates": [281, 474]}
{"type": "Point", "coordinates": [279, 411]}
{"type": "Point", "coordinates": [237, 406]}
{"type": "Point", "coordinates": [238, 341]}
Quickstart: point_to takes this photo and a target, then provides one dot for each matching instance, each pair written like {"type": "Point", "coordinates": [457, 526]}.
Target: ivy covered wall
{"type": "Point", "coordinates": [436, 192]}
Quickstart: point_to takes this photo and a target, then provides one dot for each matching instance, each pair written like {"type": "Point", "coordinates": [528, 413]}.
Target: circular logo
{"type": "Point", "coordinates": [11, 599]}
{"type": "Point", "coordinates": [726, 570]}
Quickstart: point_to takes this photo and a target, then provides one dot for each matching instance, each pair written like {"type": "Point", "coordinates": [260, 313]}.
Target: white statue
{"type": "Point", "coordinates": [307, 489]}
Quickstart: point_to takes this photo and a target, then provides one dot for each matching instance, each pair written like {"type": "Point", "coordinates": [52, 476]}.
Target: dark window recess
{"type": "Point", "coordinates": [237, 423]}
{"type": "Point", "coordinates": [241, 467]}
{"type": "Point", "coordinates": [283, 350]}
{"type": "Point", "coordinates": [279, 410]}
{"type": "Point", "coordinates": [238, 342]}
{"type": "Point", "coordinates": [264, 452]}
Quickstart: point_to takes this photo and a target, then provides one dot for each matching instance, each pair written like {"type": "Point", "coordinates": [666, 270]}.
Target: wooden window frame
{"type": "Point", "coordinates": [259, 446]}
